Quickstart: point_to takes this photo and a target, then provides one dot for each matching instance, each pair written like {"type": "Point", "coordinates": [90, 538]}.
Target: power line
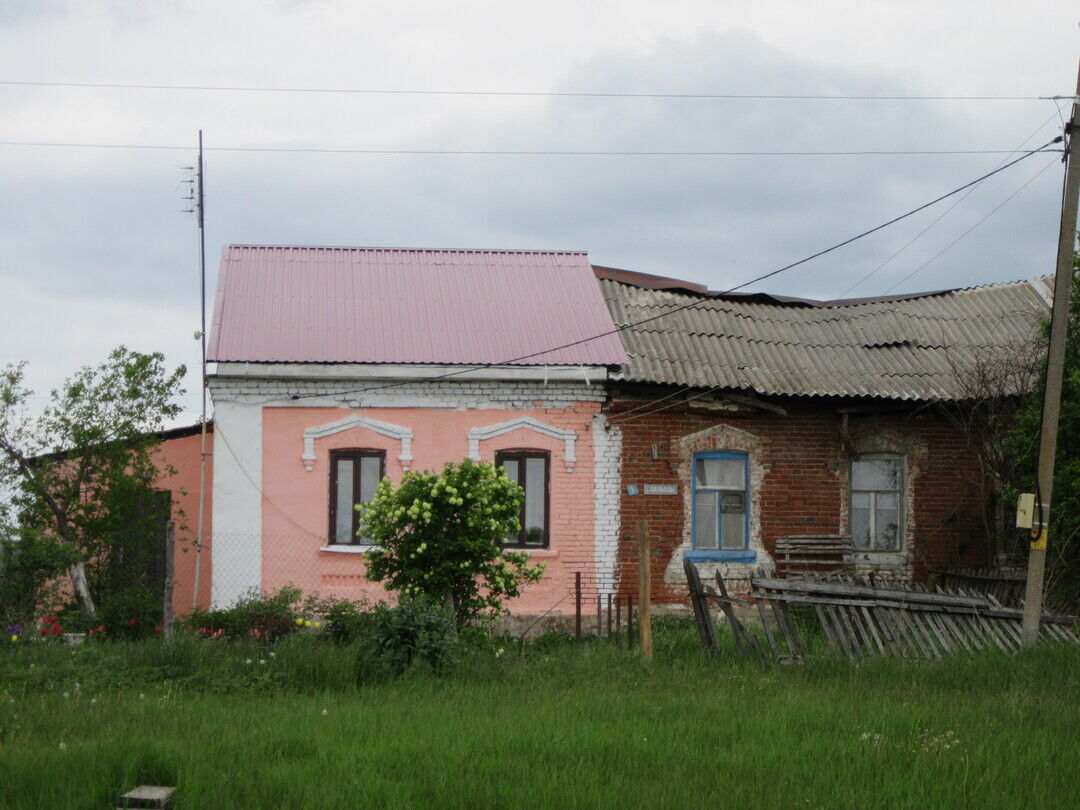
{"type": "Point", "coordinates": [522, 93]}
{"type": "Point", "coordinates": [1041, 150]}
{"type": "Point", "coordinates": [519, 152]}
{"type": "Point", "coordinates": [999, 206]}
{"type": "Point", "coordinates": [944, 213]}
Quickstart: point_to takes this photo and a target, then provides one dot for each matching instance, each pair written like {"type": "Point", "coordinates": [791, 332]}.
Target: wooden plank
{"type": "Point", "coordinates": [765, 626]}
{"type": "Point", "coordinates": [841, 631]}
{"type": "Point", "coordinates": [868, 621]}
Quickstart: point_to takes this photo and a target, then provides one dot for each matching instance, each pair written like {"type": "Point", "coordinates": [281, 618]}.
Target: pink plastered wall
{"type": "Point", "coordinates": [295, 508]}
{"type": "Point", "coordinates": [183, 456]}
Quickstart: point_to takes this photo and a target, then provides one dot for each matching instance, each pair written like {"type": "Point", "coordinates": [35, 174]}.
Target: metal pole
{"type": "Point", "coordinates": [1055, 367]}
{"type": "Point", "coordinates": [609, 616]}
{"type": "Point", "coordinates": [645, 590]}
{"type": "Point", "coordinates": [202, 343]}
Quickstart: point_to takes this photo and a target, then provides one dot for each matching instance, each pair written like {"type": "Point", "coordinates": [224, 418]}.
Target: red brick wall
{"type": "Point", "coordinates": [803, 488]}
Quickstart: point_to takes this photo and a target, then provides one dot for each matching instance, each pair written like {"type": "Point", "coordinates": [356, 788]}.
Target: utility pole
{"type": "Point", "coordinates": [1055, 368]}
{"type": "Point", "coordinates": [200, 219]}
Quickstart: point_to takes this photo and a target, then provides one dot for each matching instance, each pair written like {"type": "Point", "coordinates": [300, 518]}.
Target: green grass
{"type": "Point", "coordinates": [563, 726]}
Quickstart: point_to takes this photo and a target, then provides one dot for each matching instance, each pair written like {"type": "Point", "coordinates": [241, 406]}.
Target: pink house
{"type": "Point", "coordinates": [333, 367]}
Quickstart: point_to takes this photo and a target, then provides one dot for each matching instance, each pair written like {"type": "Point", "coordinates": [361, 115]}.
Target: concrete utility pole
{"type": "Point", "coordinates": [1055, 368]}
{"type": "Point", "coordinates": [199, 536]}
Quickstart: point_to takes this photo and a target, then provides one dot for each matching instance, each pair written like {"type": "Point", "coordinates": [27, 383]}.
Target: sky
{"type": "Point", "coordinates": [98, 250]}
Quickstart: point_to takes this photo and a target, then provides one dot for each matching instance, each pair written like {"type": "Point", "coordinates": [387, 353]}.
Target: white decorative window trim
{"type": "Point", "coordinates": [343, 549]}
{"type": "Point", "coordinates": [568, 437]}
{"type": "Point", "coordinates": [402, 434]}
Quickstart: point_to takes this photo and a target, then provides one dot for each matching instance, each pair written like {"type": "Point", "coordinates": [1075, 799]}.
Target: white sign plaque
{"type": "Point", "coordinates": [661, 489]}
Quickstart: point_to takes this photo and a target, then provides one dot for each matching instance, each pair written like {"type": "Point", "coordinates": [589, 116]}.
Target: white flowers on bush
{"type": "Point", "coordinates": [441, 533]}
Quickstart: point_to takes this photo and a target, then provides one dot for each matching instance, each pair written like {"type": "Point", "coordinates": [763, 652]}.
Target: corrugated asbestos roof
{"type": "Point", "coordinates": [383, 305]}
{"type": "Point", "coordinates": [906, 348]}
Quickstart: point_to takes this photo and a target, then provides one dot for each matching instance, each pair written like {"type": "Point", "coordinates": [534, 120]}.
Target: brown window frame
{"type": "Point", "coordinates": [520, 455]}
{"type": "Point", "coordinates": [353, 454]}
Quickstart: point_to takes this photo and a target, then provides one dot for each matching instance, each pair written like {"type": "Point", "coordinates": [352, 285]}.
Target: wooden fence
{"type": "Point", "coordinates": [860, 619]}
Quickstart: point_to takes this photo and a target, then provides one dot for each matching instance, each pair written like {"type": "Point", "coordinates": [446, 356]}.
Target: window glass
{"type": "Point", "coordinates": [529, 470]}
{"type": "Point", "coordinates": [511, 467]}
{"type": "Point", "coordinates": [721, 472]}
{"type": "Point", "coordinates": [720, 502]}
{"type": "Point", "coordinates": [876, 503]}
{"type": "Point", "coordinates": [354, 475]}
{"type": "Point", "coordinates": [535, 500]}
{"type": "Point", "coordinates": [705, 514]}
{"type": "Point", "coordinates": [343, 513]}
{"type": "Point", "coordinates": [876, 473]}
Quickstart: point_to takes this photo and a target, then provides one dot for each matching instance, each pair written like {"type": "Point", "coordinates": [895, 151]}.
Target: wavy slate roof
{"type": "Point", "coordinates": [388, 305]}
{"type": "Point", "coordinates": [903, 348]}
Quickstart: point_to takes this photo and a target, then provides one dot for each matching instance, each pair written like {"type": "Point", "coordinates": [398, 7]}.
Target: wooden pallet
{"type": "Point", "coordinates": [859, 619]}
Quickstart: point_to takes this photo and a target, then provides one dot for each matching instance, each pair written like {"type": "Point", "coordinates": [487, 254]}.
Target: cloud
{"type": "Point", "coordinates": [95, 242]}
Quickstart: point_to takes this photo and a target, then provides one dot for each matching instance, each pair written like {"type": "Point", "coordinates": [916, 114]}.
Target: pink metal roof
{"type": "Point", "coordinates": [381, 305]}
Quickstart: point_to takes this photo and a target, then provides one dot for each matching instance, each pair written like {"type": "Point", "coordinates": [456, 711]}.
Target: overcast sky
{"type": "Point", "coordinates": [97, 250]}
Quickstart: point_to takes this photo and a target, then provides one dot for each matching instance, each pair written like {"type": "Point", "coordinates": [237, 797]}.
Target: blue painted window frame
{"type": "Point", "coordinates": [745, 554]}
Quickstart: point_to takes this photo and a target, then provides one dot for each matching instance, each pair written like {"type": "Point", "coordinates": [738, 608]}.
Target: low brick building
{"type": "Point", "coordinates": [747, 419]}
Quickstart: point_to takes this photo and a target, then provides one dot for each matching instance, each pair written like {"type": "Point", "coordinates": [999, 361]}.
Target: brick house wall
{"type": "Point", "coordinates": [799, 470]}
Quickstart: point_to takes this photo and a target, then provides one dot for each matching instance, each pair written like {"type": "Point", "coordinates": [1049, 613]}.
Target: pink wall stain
{"type": "Point", "coordinates": [295, 508]}
{"type": "Point", "coordinates": [183, 455]}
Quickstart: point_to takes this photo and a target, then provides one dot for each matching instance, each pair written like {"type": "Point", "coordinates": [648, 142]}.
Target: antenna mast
{"type": "Point", "coordinates": [200, 219]}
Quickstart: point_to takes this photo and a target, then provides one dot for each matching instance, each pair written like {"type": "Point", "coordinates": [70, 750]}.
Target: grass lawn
{"type": "Point", "coordinates": [564, 727]}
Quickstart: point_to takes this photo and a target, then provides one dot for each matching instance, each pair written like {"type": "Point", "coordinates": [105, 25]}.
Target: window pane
{"type": "Point", "coordinates": [876, 473]}
{"type": "Point", "coordinates": [705, 519]}
{"type": "Point", "coordinates": [535, 500]}
{"type": "Point", "coordinates": [733, 528]}
{"type": "Point", "coordinates": [860, 520]}
{"type": "Point", "coordinates": [343, 512]}
{"type": "Point", "coordinates": [887, 522]}
{"type": "Point", "coordinates": [370, 469]}
{"type": "Point", "coordinates": [721, 472]}
{"type": "Point", "coordinates": [511, 467]}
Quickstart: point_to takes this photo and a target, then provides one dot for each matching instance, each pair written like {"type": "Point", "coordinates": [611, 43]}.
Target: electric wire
{"type": "Point", "coordinates": [943, 214]}
{"type": "Point", "coordinates": [697, 302]}
{"type": "Point", "coordinates": [371, 91]}
{"type": "Point", "coordinates": [999, 206]}
{"type": "Point", "coordinates": [515, 152]}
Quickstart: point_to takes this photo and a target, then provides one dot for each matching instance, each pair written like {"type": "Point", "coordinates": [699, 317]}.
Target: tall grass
{"type": "Point", "coordinates": [562, 726]}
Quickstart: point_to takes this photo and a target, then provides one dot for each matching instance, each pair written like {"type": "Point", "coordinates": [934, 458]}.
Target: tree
{"type": "Point", "coordinates": [991, 386]}
{"type": "Point", "coordinates": [82, 471]}
{"type": "Point", "coordinates": [1063, 554]}
{"type": "Point", "coordinates": [440, 535]}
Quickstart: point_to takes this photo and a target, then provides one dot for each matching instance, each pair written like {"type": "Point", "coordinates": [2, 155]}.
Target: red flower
{"type": "Point", "coordinates": [101, 629]}
{"type": "Point", "coordinates": [57, 630]}
{"type": "Point", "coordinates": [157, 629]}
{"type": "Point", "coordinates": [90, 632]}
{"type": "Point", "coordinates": [44, 631]}
{"type": "Point", "coordinates": [132, 623]}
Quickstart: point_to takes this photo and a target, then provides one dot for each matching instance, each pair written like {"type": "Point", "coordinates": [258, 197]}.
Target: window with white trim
{"type": "Point", "coordinates": [877, 502]}
{"type": "Point", "coordinates": [721, 495]}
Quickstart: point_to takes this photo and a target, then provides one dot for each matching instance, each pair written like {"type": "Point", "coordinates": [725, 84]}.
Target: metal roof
{"type": "Point", "coordinates": [902, 347]}
{"type": "Point", "coordinates": [390, 305]}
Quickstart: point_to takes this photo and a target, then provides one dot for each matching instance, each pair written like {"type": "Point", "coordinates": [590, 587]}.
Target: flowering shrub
{"type": "Point", "coordinates": [50, 627]}
{"type": "Point", "coordinates": [254, 615]}
{"type": "Point", "coordinates": [440, 535]}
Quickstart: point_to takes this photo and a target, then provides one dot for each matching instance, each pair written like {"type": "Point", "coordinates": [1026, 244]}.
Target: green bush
{"type": "Point", "coordinates": [30, 564]}
{"type": "Point", "coordinates": [414, 633]}
{"type": "Point", "coordinates": [131, 613]}
{"type": "Point", "coordinates": [265, 617]}
{"type": "Point", "coordinates": [344, 621]}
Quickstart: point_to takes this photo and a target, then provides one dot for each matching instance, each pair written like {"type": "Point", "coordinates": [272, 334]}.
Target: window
{"type": "Point", "coordinates": [876, 502]}
{"type": "Point", "coordinates": [529, 469]}
{"type": "Point", "coordinates": [721, 519]}
{"type": "Point", "coordinates": [354, 475]}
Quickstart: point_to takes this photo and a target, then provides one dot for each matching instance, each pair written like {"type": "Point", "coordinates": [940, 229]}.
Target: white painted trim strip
{"type": "Point", "coordinates": [402, 434]}
{"type": "Point", "coordinates": [478, 434]}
